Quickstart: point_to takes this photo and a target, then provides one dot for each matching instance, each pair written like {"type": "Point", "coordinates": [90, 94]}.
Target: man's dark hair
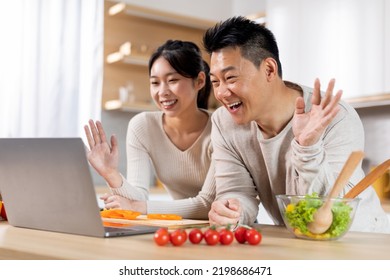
{"type": "Point", "coordinates": [255, 41]}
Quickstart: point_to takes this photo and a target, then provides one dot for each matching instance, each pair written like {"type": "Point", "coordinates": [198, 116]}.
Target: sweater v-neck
{"type": "Point", "coordinates": [201, 135]}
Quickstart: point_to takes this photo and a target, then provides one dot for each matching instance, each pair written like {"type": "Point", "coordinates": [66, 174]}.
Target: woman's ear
{"type": "Point", "coordinates": [270, 68]}
{"type": "Point", "coordinates": [201, 80]}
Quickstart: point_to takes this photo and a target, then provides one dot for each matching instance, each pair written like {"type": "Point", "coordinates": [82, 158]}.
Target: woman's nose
{"type": "Point", "coordinates": [163, 90]}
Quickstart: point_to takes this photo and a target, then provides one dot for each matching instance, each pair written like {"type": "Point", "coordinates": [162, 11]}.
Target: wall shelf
{"type": "Point", "coordinates": [370, 101]}
{"type": "Point", "coordinates": [158, 15]}
{"type": "Point", "coordinates": [127, 59]}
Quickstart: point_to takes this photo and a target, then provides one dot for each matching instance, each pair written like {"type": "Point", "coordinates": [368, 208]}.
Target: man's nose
{"type": "Point", "coordinates": [222, 91]}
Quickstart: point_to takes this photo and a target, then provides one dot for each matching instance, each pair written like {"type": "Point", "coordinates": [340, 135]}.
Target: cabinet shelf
{"type": "Point", "coordinates": [127, 59]}
{"type": "Point", "coordinates": [158, 15]}
{"type": "Point", "coordinates": [370, 101]}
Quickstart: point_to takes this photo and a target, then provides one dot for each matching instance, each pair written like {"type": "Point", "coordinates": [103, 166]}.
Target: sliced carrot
{"type": "Point", "coordinates": [109, 224]}
{"type": "Point", "coordinates": [164, 217]}
{"type": "Point", "coordinates": [119, 214]}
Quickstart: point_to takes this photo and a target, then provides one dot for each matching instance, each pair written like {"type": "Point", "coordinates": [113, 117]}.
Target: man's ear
{"type": "Point", "coordinates": [270, 68]}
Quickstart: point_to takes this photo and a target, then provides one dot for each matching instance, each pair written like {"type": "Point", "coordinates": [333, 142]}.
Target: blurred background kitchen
{"type": "Point", "coordinates": [63, 62]}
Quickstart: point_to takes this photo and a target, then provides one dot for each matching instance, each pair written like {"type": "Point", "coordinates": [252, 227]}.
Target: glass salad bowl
{"type": "Point", "coordinates": [297, 212]}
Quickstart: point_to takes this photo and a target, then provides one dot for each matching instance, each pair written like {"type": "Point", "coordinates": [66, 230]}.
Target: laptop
{"type": "Point", "coordinates": [46, 184]}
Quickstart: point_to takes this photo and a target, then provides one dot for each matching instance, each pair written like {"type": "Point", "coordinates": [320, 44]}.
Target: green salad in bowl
{"type": "Point", "coordinates": [297, 212]}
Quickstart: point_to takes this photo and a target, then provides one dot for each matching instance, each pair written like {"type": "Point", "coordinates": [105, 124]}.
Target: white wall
{"type": "Point", "coordinates": [387, 45]}
{"type": "Point", "coordinates": [206, 9]}
{"type": "Point", "coordinates": [247, 7]}
{"type": "Point", "coordinates": [344, 39]}
{"type": "Point", "coordinates": [215, 10]}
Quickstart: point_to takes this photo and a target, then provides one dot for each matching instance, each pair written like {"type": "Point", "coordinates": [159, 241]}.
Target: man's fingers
{"type": "Point", "coordinates": [316, 97]}
{"type": "Point", "coordinates": [299, 106]}
{"type": "Point", "coordinates": [224, 212]}
{"type": "Point", "coordinates": [333, 104]}
{"type": "Point", "coordinates": [217, 219]}
{"type": "Point", "coordinates": [234, 205]}
{"type": "Point", "coordinates": [328, 94]}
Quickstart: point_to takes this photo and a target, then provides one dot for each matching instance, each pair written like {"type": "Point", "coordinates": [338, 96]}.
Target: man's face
{"type": "Point", "coordinates": [237, 84]}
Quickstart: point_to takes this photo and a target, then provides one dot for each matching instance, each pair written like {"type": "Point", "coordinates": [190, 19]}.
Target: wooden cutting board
{"type": "Point", "coordinates": [171, 224]}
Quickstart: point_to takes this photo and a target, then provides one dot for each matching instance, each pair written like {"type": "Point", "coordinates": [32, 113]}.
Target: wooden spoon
{"type": "Point", "coordinates": [368, 180]}
{"type": "Point", "coordinates": [323, 217]}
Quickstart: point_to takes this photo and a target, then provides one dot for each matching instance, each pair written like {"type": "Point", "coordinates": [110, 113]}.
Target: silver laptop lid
{"type": "Point", "coordinates": [46, 184]}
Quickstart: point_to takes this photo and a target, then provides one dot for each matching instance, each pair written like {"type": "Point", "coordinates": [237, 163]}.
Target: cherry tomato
{"type": "Point", "coordinates": [3, 214]}
{"type": "Point", "coordinates": [211, 236]}
{"type": "Point", "coordinates": [195, 236]}
{"type": "Point", "coordinates": [240, 235]}
{"type": "Point", "coordinates": [253, 236]}
{"type": "Point", "coordinates": [161, 236]}
{"type": "Point", "coordinates": [226, 236]}
{"type": "Point", "coordinates": [178, 237]}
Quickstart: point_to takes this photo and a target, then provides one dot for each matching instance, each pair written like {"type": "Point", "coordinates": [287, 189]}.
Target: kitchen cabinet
{"type": "Point", "coordinates": [131, 34]}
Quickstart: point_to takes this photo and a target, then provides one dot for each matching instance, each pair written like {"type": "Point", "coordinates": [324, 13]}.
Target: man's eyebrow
{"type": "Point", "coordinates": [224, 70]}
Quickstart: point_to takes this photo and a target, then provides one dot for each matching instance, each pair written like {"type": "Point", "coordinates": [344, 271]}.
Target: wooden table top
{"type": "Point", "coordinates": [277, 244]}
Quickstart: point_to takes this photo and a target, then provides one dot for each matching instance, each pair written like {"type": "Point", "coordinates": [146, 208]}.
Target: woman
{"type": "Point", "coordinates": [174, 142]}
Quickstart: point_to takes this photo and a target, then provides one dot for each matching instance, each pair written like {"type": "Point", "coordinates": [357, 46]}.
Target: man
{"type": "Point", "coordinates": [280, 137]}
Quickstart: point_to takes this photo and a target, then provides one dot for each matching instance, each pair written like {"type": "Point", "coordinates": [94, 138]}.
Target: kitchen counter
{"type": "Point", "coordinates": [277, 244]}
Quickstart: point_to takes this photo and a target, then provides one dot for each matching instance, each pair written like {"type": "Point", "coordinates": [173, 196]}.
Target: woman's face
{"type": "Point", "coordinates": [172, 93]}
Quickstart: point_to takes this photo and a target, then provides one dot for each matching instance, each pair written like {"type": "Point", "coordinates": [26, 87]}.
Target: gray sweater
{"type": "Point", "coordinates": [254, 169]}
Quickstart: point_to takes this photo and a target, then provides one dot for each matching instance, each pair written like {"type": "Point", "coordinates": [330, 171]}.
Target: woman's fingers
{"type": "Point", "coordinates": [102, 134]}
{"type": "Point", "coordinates": [110, 201]}
{"type": "Point", "coordinates": [91, 142]}
{"type": "Point", "coordinates": [114, 145]}
{"type": "Point", "coordinates": [95, 133]}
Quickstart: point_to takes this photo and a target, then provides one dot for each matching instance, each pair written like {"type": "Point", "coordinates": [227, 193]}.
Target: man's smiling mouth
{"type": "Point", "coordinates": [235, 105]}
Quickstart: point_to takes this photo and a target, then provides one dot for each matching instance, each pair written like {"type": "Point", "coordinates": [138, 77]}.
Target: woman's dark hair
{"type": "Point", "coordinates": [255, 41]}
{"type": "Point", "coordinates": [186, 58]}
